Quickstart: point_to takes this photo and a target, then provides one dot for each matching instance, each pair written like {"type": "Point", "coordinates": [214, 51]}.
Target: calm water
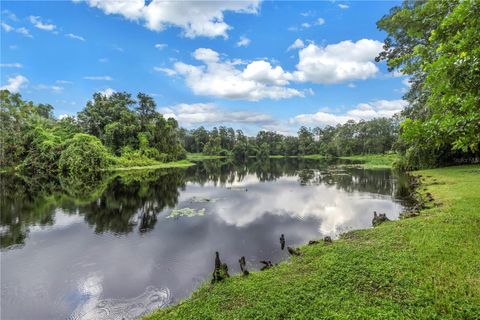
{"type": "Point", "coordinates": [117, 248]}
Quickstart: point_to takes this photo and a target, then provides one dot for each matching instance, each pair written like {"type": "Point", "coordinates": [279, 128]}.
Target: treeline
{"type": "Point", "coordinates": [363, 137]}
{"type": "Point", "coordinates": [437, 44]}
{"type": "Point", "coordinates": [119, 130]}
{"type": "Point", "coordinates": [110, 130]}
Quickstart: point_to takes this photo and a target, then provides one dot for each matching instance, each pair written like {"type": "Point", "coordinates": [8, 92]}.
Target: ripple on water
{"type": "Point", "coordinates": [113, 309]}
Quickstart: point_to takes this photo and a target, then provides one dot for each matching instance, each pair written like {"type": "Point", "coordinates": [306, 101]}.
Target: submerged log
{"type": "Point", "coordinates": [294, 251]}
{"type": "Point", "coordinates": [379, 218]}
{"type": "Point", "coordinates": [221, 270]}
{"type": "Point", "coordinates": [243, 266]}
{"type": "Point", "coordinates": [282, 241]}
{"type": "Point", "coordinates": [267, 264]}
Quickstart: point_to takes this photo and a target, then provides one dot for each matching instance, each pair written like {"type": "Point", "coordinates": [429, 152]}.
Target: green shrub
{"type": "Point", "coordinates": [84, 154]}
{"type": "Point", "coordinates": [134, 158]}
{"type": "Point", "coordinates": [43, 152]}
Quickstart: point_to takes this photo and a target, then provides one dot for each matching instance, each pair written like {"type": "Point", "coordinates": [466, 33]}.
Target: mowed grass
{"type": "Point", "coordinates": [426, 267]}
{"type": "Point", "coordinates": [157, 165]}
{"type": "Point", "coordinates": [372, 161]}
{"type": "Point", "coordinates": [201, 156]}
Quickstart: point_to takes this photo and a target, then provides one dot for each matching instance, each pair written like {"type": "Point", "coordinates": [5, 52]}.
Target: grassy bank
{"type": "Point", "coordinates": [159, 165]}
{"type": "Point", "coordinates": [201, 156]}
{"type": "Point", "coordinates": [426, 267]}
{"type": "Point", "coordinates": [308, 156]}
{"type": "Point", "coordinates": [372, 161]}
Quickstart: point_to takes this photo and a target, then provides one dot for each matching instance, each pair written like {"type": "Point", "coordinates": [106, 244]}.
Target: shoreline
{"type": "Point", "coordinates": [382, 272]}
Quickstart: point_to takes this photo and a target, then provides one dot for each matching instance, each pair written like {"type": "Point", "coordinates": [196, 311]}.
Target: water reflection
{"type": "Point", "coordinates": [97, 249]}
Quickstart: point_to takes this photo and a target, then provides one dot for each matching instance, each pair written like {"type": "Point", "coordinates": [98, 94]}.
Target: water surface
{"type": "Point", "coordinates": [117, 248]}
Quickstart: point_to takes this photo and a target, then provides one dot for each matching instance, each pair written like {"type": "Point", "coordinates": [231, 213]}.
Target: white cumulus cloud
{"type": "Point", "coordinates": [208, 113]}
{"type": "Point", "coordinates": [22, 30]}
{"type": "Point", "coordinates": [296, 45]}
{"type": "Point", "coordinates": [243, 42]}
{"type": "Point", "coordinates": [320, 21]}
{"type": "Point", "coordinates": [161, 46]}
{"type": "Point", "coordinates": [362, 111]}
{"type": "Point", "coordinates": [195, 18]}
{"type": "Point", "coordinates": [258, 80]}
{"type": "Point", "coordinates": [107, 92]}
{"type": "Point", "coordinates": [338, 62]}
{"type": "Point", "coordinates": [343, 6]}
{"type": "Point", "coordinates": [38, 23]}
{"type": "Point", "coordinates": [15, 83]}
{"type": "Point", "coordinates": [167, 71]}
{"type": "Point", "coordinates": [7, 27]}
{"type": "Point", "coordinates": [217, 76]}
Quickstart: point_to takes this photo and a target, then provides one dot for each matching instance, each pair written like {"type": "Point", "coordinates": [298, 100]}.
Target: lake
{"type": "Point", "coordinates": [128, 243]}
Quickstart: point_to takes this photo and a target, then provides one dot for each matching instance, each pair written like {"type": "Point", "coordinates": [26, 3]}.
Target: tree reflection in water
{"type": "Point", "coordinates": [121, 203]}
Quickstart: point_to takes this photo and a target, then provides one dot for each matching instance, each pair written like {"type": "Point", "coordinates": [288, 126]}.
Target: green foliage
{"type": "Point", "coordinates": [83, 155]}
{"type": "Point", "coordinates": [264, 151]}
{"type": "Point", "coordinates": [437, 43]}
{"type": "Point", "coordinates": [18, 118]}
{"type": "Point", "coordinates": [36, 143]}
{"type": "Point", "coordinates": [363, 137]}
{"type": "Point", "coordinates": [130, 157]}
{"type": "Point", "coordinates": [213, 146]}
{"type": "Point", "coordinates": [375, 161]}
{"type": "Point", "coordinates": [43, 152]}
{"type": "Point", "coordinates": [119, 121]}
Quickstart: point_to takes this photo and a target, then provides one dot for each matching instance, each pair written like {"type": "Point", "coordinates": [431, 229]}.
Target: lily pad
{"type": "Point", "coordinates": [186, 212]}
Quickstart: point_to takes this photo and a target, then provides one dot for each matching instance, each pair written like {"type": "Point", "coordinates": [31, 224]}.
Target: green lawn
{"type": "Point", "coordinates": [201, 156]}
{"type": "Point", "coordinates": [372, 161]}
{"type": "Point", "coordinates": [159, 165]}
{"type": "Point", "coordinates": [426, 267]}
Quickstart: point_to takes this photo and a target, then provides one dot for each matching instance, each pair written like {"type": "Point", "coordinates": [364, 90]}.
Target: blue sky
{"type": "Point", "coordinates": [252, 65]}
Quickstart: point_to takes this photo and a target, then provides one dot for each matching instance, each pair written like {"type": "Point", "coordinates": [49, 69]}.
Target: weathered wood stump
{"type": "Point", "coordinates": [267, 264]}
{"type": "Point", "coordinates": [379, 218]}
{"type": "Point", "coordinates": [282, 241]}
{"type": "Point", "coordinates": [243, 266]}
{"type": "Point", "coordinates": [220, 272]}
{"type": "Point", "coordinates": [294, 251]}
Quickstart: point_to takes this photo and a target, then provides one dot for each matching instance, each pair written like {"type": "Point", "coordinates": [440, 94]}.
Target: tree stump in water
{"type": "Point", "coordinates": [221, 270]}
{"type": "Point", "coordinates": [379, 218]}
{"type": "Point", "coordinates": [282, 241]}
{"type": "Point", "coordinates": [294, 251]}
{"type": "Point", "coordinates": [243, 266]}
{"type": "Point", "coordinates": [266, 264]}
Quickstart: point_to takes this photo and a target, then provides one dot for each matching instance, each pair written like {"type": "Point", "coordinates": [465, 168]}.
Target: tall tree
{"type": "Point", "coordinates": [437, 43]}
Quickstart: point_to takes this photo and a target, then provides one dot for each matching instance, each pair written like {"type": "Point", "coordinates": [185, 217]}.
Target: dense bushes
{"type": "Point", "coordinates": [43, 154]}
{"type": "Point", "coordinates": [110, 130]}
{"type": "Point", "coordinates": [85, 154]}
{"type": "Point", "coordinates": [437, 44]}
